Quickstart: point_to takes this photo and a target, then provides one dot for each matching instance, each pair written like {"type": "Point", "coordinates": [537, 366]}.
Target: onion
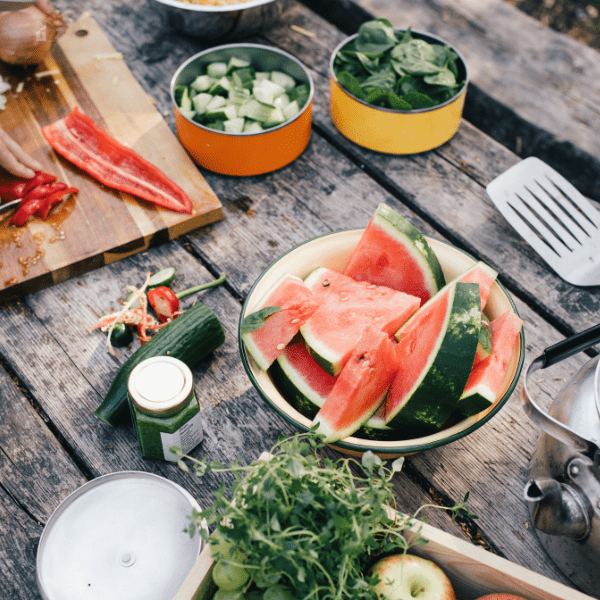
{"type": "Point", "coordinates": [26, 35]}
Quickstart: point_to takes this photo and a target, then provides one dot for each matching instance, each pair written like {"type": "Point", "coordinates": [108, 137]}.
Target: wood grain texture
{"type": "Point", "coordinates": [99, 225]}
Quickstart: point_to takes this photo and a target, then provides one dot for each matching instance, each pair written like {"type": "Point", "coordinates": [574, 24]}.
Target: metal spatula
{"type": "Point", "coordinates": [553, 217]}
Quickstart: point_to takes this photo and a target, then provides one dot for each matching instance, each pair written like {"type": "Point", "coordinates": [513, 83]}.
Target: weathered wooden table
{"type": "Point", "coordinates": [532, 91]}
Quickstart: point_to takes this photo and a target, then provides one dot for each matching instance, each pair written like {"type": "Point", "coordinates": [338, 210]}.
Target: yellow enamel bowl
{"type": "Point", "coordinates": [333, 251]}
{"type": "Point", "coordinates": [244, 153]}
{"type": "Point", "coordinates": [396, 131]}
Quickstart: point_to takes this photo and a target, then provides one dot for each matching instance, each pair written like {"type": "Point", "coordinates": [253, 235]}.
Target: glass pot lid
{"type": "Point", "coordinates": [120, 536]}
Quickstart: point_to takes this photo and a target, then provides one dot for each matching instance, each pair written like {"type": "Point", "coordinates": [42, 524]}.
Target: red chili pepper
{"type": "Point", "coordinates": [13, 188]}
{"type": "Point", "coordinates": [164, 303]}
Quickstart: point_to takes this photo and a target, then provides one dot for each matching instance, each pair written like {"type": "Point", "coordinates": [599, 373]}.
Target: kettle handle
{"type": "Point", "coordinates": [550, 356]}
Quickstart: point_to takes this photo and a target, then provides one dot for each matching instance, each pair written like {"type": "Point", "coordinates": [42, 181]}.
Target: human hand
{"type": "Point", "coordinates": [15, 160]}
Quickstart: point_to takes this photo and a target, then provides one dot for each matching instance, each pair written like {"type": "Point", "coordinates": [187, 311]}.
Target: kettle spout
{"type": "Point", "coordinates": [557, 509]}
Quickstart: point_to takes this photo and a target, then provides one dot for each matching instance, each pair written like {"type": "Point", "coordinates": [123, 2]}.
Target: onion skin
{"type": "Point", "coordinates": [18, 32]}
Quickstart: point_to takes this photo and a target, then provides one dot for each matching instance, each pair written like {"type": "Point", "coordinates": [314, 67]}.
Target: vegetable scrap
{"type": "Point", "coordinates": [78, 139]}
{"type": "Point", "coordinates": [397, 70]}
{"type": "Point", "coordinates": [134, 312]}
{"type": "Point", "coordinates": [37, 195]}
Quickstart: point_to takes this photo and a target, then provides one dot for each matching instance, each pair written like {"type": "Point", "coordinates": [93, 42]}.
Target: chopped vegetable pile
{"type": "Point", "coordinates": [236, 98]}
{"type": "Point", "coordinates": [37, 195]}
{"type": "Point", "coordinates": [397, 69]}
{"type": "Point", "coordinates": [134, 312]}
{"type": "Point", "coordinates": [299, 526]}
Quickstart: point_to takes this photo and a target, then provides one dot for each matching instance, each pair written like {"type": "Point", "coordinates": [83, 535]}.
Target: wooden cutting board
{"type": "Point", "coordinates": [99, 225]}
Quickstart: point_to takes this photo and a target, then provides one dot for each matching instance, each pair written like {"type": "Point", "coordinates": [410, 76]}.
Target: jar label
{"type": "Point", "coordinates": [187, 437]}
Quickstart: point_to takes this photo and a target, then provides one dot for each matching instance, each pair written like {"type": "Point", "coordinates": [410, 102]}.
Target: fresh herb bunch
{"type": "Point", "coordinates": [397, 71]}
{"type": "Point", "coordinates": [300, 526]}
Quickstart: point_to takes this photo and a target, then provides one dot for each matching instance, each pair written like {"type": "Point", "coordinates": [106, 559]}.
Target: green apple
{"type": "Point", "coordinates": [408, 577]}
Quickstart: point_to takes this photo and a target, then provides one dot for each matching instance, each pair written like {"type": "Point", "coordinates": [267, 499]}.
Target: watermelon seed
{"type": "Point", "coordinates": [366, 363]}
{"type": "Point", "coordinates": [326, 283]}
{"type": "Point", "coordinates": [295, 321]}
{"type": "Point", "coordinates": [280, 346]}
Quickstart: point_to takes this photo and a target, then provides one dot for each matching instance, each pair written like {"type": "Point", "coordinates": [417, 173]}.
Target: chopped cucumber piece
{"type": "Point", "coordinates": [239, 95]}
{"type": "Point", "coordinates": [221, 87]}
{"type": "Point", "coordinates": [283, 79]}
{"type": "Point", "coordinates": [162, 277]}
{"type": "Point", "coordinates": [236, 63]}
{"type": "Point", "coordinates": [216, 102]}
{"type": "Point", "coordinates": [201, 101]}
{"type": "Point", "coordinates": [252, 126]}
{"type": "Point", "coordinates": [190, 113]}
{"type": "Point", "coordinates": [235, 125]}
{"type": "Point", "coordinates": [243, 78]}
{"type": "Point", "coordinates": [178, 93]}
{"type": "Point", "coordinates": [281, 101]}
{"type": "Point", "coordinates": [253, 109]}
{"type": "Point", "coordinates": [218, 125]}
{"type": "Point", "coordinates": [262, 75]}
{"type": "Point", "coordinates": [202, 83]}
{"type": "Point", "coordinates": [275, 117]}
{"type": "Point", "coordinates": [291, 110]}
{"type": "Point", "coordinates": [222, 114]}
{"type": "Point", "coordinates": [266, 91]}
{"type": "Point", "coordinates": [216, 70]}
{"type": "Point", "coordinates": [300, 93]}
{"type": "Point", "coordinates": [185, 102]}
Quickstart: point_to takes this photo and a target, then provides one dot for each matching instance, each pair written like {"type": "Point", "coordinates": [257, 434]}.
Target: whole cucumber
{"type": "Point", "coordinates": [190, 337]}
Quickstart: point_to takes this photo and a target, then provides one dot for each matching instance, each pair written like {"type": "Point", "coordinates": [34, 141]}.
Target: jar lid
{"type": "Point", "coordinates": [160, 385]}
{"type": "Point", "coordinates": [120, 536]}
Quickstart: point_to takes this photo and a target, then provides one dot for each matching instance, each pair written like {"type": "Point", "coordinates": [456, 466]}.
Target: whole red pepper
{"type": "Point", "coordinates": [164, 302]}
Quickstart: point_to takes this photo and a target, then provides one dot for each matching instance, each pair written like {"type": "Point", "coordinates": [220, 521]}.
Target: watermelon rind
{"type": "Point", "coordinates": [295, 303]}
{"type": "Point", "coordinates": [486, 378]}
{"type": "Point", "coordinates": [296, 389]}
{"type": "Point", "coordinates": [402, 232]}
{"type": "Point", "coordinates": [435, 392]}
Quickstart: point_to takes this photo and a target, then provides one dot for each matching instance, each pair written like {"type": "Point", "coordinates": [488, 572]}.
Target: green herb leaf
{"type": "Point", "coordinates": [375, 37]}
{"type": "Point", "coordinates": [256, 320]}
{"type": "Point", "coordinates": [350, 84]}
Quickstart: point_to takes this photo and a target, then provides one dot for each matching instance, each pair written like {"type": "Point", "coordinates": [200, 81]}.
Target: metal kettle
{"type": "Point", "coordinates": [563, 489]}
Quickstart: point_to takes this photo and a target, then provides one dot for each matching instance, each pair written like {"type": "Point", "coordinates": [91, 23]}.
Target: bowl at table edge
{"type": "Point", "coordinates": [396, 131]}
{"type": "Point", "coordinates": [228, 22]}
{"type": "Point", "coordinates": [244, 153]}
{"type": "Point", "coordinates": [333, 251]}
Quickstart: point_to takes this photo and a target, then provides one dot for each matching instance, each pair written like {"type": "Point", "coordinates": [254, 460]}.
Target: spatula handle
{"type": "Point", "coordinates": [570, 346]}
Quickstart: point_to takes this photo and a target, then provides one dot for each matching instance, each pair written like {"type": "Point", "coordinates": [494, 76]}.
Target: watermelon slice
{"type": "Point", "coordinates": [482, 274]}
{"type": "Point", "coordinates": [484, 346]}
{"type": "Point", "coordinates": [393, 253]}
{"type": "Point", "coordinates": [347, 308]}
{"type": "Point", "coordinates": [279, 314]}
{"type": "Point", "coordinates": [306, 386]}
{"type": "Point", "coordinates": [436, 348]}
{"type": "Point", "coordinates": [360, 388]}
{"type": "Point", "coordinates": [486, 378]}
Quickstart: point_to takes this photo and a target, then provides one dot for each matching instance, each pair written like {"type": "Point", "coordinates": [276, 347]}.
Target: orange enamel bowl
{"type": "Point", "coordinates": [396, 131]}
{"type": "Point", "coordinates": [244, 153]}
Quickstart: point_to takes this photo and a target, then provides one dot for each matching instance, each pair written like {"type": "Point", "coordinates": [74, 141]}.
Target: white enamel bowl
{"type": "Point", "coordinates": [332, 251]}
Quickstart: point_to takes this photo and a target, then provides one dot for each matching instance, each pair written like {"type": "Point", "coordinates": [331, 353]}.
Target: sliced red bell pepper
{"type": "Point", "coordinates": [13, 188]}
{"type": "Point", "coordinates": [25, 211]}
{"type": "Point", "coordinates": [164, 302]}
{"type": "Point", "coordinates": [39, 201]}
{"type": "Point", "coordinates": [48, 201]}
{"type": "Point", "coordinates": [80, 140]}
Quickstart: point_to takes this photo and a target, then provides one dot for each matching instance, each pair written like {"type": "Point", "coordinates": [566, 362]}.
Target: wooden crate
{"type": "Point", "coordinates": [472, 570]}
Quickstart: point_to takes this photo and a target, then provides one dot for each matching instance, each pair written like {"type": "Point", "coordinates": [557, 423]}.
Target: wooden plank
{"type": "Point", "coordinates": [100, 225]}
{"type": "Point", "coordinates": [523, 76]}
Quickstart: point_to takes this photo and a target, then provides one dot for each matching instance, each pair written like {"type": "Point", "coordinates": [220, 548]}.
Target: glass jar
{"type": "Point", "coordinates": [164, 407]}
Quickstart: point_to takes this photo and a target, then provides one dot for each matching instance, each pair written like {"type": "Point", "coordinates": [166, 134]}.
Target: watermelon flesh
{"type": "Point", "coordinates": [486, 378]}
{"type": "Point", "coordinates": [482, 274]}
{"type": "Point", "coordinates": [360, 388]}
{"type": "Point", "coordinates": [435, 353]}
{"type": "Point", "coordinates": [306, 386]}
{"type": "Point", "coordinates": [393, 253]}
{"type": "Point", "coordinates": [296, 304]}
{"type": "Point", "coordinates": [346, 308]}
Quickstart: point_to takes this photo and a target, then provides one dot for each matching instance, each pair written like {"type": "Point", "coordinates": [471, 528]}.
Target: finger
{"type": "Point", "coordinates": [13, 157]}
{"type": "Point", "coordinates": [46, 7]}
